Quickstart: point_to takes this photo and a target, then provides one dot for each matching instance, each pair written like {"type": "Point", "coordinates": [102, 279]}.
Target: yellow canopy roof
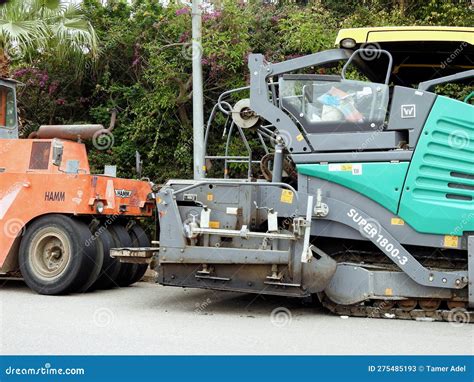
{"type": "Point", "coordinates": [419, 53]}
{"type": "Point", "coordinates": [405, 34]}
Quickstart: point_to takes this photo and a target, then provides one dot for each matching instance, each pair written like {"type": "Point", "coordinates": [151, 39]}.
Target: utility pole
{"type": "Point", "coordinates": [198, 97]}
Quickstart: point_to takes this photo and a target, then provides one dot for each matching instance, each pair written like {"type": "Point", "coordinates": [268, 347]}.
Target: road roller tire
{"type": "Point", "coordinates": [122, 239]}
{"type": "Point", "coordinates": [139, 239]}
{"type": "Point", "coordinates": [57, 255]}
{"type": "Point", "coordinates": [97, 269]}
{"type": "Point", "coordinates": [110, 266]}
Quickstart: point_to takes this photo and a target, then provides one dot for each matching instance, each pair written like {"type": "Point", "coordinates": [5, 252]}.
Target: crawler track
{"type": "Point", "coordinates": [451, 311]}
{"type": "Point", "coordinates": [457, 315]}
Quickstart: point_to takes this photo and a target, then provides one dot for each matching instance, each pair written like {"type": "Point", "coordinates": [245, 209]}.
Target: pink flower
{"type": "Point", "coordinates": [53, 87]}
{"type": "Point", "coordinates": [60, 101]}
{"type": "Point", "coordinates": [21, 72]}
{"type": "Point", "coordinates": [184, 37]}
{"type": "Point", "coordinates": [182, 11]}
{"type": "Point", "coordinates": [211, 15]}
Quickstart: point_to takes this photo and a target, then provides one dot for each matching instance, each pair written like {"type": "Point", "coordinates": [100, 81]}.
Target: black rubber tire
{"type": "Point", "coordinates": [80, 264]}
{"type": "Point", "coordinates": [139, 239]}
{"type": "Point", "coordinates": [97, 269]}
{"type": "Point", "coordinates": [110, 267]}
{"type": "Point", "coordinates": [122, 239]}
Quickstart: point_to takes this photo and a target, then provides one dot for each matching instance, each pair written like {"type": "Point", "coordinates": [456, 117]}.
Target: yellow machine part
{"type": "Point", "coordinates": [401, 34]}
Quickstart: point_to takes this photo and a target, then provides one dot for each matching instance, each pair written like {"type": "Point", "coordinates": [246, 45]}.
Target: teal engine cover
{"type": "Point", "coordinates": [438, 195]}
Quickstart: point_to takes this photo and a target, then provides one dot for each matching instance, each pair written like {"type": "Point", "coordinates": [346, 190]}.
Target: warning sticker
{"type": "Point", "coordinates": [340, 167]}
{"type": "Point", "coordinates": [214, 224]}
{"type": "Point", "coordinates": [299, 138]}
{"type": "Point", "coordinates": [286, 196]}
{"type": "Point", "coordinates": [397, 221]}
{"type": "Point", "coordinates": [210, 197]}
{"type": "Point", "coordinates": [346, 167]}
{"type": "Point", "coordinates": [451, 241]}
{"type": "Point", "coordinates": [355, 168]}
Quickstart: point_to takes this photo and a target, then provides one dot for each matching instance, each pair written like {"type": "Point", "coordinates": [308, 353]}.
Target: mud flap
{"type": "Point", "coordinates": [318, 272]}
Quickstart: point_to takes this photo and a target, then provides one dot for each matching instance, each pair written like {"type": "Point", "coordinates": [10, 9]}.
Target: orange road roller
{"type": "Point", "coordinates": [58, 221]}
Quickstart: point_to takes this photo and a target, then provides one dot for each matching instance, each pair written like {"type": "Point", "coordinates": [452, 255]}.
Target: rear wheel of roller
{"type": "Point", "coordinates": [122, 239]}
{"type": "Point", "coordinates": [139, 239]}
{"type": "Point", "coordinates": [111, 267]}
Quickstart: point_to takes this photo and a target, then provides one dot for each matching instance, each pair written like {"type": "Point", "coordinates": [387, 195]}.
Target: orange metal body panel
{"type": "Point", "coordinates": [31, 186]}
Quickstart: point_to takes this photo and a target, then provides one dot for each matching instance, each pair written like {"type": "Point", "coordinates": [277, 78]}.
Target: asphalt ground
{"type": "Point", "coordinates": [150, 319]}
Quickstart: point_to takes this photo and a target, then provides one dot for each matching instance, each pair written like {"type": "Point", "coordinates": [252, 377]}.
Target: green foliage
{"type": "Point", "coordinates": [144, 68]}
{"type": "Point", "coordinates": [56, 29]}
{"type": "Point", "coordinates": [307, 30]}
{"type": "Point", "coordinates": [459, 13]}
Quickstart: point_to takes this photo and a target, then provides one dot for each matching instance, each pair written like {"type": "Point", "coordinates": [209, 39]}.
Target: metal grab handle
{"type": "Point", "coordinates": [362, 50]}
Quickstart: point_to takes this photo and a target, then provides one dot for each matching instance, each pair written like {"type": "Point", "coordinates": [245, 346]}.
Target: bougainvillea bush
{"type": "Point", "coordinates": [144, 66]}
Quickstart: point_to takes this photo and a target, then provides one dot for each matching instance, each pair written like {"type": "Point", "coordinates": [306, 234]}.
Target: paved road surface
{"type": "Point", "coordinates": [151, 319]}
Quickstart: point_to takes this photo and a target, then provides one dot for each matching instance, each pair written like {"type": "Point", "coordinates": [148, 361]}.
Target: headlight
{"type": "Point", "coordinates": [348, 43]}
{"type": "Point", "coordinates": [99, 207]}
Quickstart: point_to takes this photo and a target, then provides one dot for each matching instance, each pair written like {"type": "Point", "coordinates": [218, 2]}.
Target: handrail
{"type": "Point", "coordinates": [367, 50]}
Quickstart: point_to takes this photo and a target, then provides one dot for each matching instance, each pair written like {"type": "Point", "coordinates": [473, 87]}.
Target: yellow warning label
{"type": "Point", "coordinates": [397, 221]}
{"type": "Point", "coordinates": [286, 196]}
{"type": "Point", "coordinates": [346, 167]}
{"type": "Point", "coordinates": [299, 138]}
{"type": "Point", "coordinates": [210, 197]}
{"type": "Point", "coordinates": [451, 241]}
{"type": "Point", "coordinates": [388, 292]}
{"type": "Point", "coordinates": [214, 224]}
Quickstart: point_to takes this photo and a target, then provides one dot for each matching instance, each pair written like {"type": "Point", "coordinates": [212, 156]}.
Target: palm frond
{"type": "Point", "coordinates": [54, 25]}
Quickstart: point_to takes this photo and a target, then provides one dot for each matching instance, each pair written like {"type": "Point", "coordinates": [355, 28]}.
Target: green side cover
{"type": "Point", "coordinates": [438, 195]}
{"type": "Point", "coordinates": [382, 182]}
